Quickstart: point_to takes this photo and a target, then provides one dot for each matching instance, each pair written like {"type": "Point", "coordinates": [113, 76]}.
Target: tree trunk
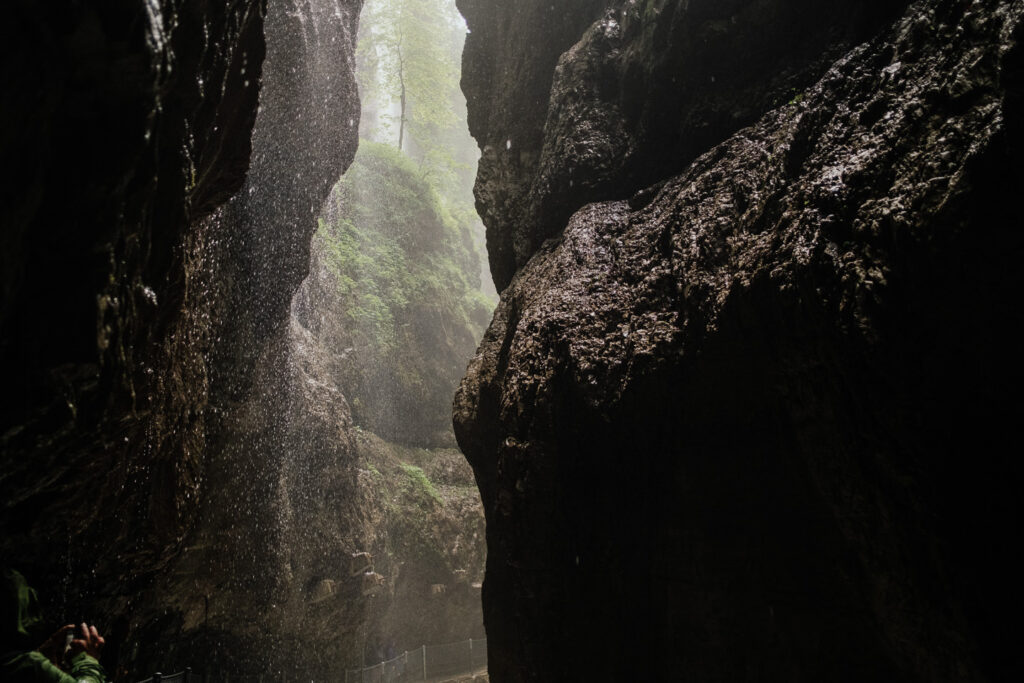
{"type": "Point", "coordinates": [401, 82]}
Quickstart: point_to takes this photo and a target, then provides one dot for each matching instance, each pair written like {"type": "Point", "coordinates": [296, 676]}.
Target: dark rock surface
{"type": "Point", "coordinates": [151, 382]}
{"type": "Point", "coordinates": [507, 66]}
{"type": "Point", "coordinates": [239, 594]}
{"type": "Point", "coordinates": [753, 422]}
{"type": "Point", "coordinates": [123, 125]}
{"type": "Point", "coordinates": [642, 91]}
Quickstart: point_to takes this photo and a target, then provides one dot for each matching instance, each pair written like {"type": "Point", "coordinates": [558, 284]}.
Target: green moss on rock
{"type": "Point", "coordinates": [395, 292]}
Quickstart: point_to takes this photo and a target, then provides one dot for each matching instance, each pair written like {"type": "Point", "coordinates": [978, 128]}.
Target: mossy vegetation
{"type": "Point", "coordinates": [429, 506]}
{"type": "Point", "coordinates": [393, 246]}
{"type": "Point", "coordinates": [399, 275]}
{"type": "Point", "coordinates": [418, 484]}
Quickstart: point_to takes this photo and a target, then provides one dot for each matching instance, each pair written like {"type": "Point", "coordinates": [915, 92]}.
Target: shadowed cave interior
{"type": "Point", "coordinates": [600, 340]}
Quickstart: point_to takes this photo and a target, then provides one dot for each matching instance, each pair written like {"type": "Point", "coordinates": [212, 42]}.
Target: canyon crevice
{"type": "Point", "coordinates": [745, 410]}
{"type": "Point", "coordinates": [179, 458]}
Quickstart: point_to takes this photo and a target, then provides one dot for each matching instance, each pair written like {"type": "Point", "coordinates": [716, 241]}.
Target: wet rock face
{"type": "Point", "coordinates": [151, 385]}
{"type": "Point", "coordinates": [507, 79]}
{"type": "Point", "coordinates": [748, 423]}
{"type": "Point", "coordinates": [124, 125]}
{"type": "Point", "coordinates": [277, 436]}
{"type": "Point", "coordinates": [642, 91]}
{"type": "Point", "coordinates": [305, 137]}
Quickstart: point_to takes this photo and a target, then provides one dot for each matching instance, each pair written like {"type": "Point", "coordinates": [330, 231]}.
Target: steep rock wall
{"type": "Point", "coordinates": [239, 597]}
{"type": "Point", "coordinates": [123, 126]}
{"type": "Point", "coordinates": [645, 88]}
{"type": "Point", "coordinates": [749, 424]}
{"type": "Point", "coordinates": [152, 382]}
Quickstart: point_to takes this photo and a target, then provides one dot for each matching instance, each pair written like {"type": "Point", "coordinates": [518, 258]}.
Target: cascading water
{"type": "Point", "coordinates": [382, 328]}
{"type": "Point", "coordinates": [240, 587]}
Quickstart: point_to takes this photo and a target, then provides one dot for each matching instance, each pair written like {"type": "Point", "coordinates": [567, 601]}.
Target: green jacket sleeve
{"type": "Point", "coordinates": [33, 667]}
{"type": "Point", "coordinates": [85, 669]}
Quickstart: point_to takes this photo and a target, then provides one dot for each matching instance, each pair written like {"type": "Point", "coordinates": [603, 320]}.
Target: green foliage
{"type": "Point", "coordinates": [399, 235]}
{"type": "Point", "coordinates": [409, 56]}
{"type": "Point", "coordinates": [404, 271]}
{"type": "Point", "coordinates": [418, 484]}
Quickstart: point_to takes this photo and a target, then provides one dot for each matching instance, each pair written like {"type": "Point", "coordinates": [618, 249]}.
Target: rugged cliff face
{"type": "Point", "coordinates": [604, 99]}
{"type": "Point", "coordinates": [150, 384]}
{"type": "Point", "coordinates": [749, 423]}
{"type": "Point", "coordinates": [123, 126]}
{"type": "Point", "coordinates": [239, 596]}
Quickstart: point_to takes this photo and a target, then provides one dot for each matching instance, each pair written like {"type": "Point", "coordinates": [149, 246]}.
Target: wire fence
{"type": "Point", "coordinates": [426, 663]}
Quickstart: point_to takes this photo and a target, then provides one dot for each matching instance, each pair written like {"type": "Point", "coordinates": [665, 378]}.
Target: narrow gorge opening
{"type": "Point", "coordinates": [263, 405]}
{"type": "Point", "coordinates": [396, 301]}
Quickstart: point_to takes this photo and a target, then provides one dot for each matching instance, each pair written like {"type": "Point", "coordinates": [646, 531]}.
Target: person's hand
{"type": "Point", "coordinates": [89, 641]}
{"type": "Point", "coordinates": [53, 648]}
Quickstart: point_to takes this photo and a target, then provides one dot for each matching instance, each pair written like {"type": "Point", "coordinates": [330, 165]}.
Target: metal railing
{"type": "Point", "coordinates": [185, 676]}
{"type": "Point", "coordinates": [425, 663]}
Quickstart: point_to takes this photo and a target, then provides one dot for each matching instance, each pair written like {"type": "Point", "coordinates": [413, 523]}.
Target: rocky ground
{"type": "Point", "coordinates": [424, 525]}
